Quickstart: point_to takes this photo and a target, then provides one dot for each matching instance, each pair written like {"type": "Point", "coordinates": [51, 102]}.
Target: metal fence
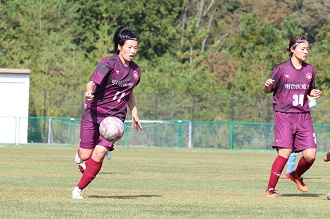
{"type": "Point", "coordinates": [179, 106]}
{"type": "Point", "coordinates": [156, 133]}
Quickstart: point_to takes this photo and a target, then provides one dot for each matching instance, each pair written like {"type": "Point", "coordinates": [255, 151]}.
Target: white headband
{"type": "Point", "coordinates": [297, 43]}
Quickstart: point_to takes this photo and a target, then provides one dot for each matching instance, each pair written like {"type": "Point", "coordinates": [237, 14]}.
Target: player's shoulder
{"type": "Point", "coordinates": [307, 65]}
{"type": "Point", "coordinates": [135, 66]}
{"type": "Point", "coordinates": [110, 60]}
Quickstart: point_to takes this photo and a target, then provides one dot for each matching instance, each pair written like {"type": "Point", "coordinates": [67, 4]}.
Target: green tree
{"type": "Point", "coordinates": [38, 37]}
{"type": "Point", "coordinates": [154, 21]}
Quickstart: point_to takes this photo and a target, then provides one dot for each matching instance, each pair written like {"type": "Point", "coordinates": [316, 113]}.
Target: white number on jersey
{"type": "Point", "coordinates": [298, 99]}
{"type": "Point", "coordinates": [115, 97]}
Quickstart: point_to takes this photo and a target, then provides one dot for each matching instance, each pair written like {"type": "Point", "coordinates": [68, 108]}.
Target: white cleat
{"type": "Point", "coordinates": [77, 159]}
{"type": "Point", "coordinates": [108, 155]}
{"type": "Point", "coordinates": [82, 167]}
{"type": "Point", "coordinates": [77, 193]}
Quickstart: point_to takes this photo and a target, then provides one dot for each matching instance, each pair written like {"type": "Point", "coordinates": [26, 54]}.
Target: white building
{"type": "Point", "coordinates": [14, 105]}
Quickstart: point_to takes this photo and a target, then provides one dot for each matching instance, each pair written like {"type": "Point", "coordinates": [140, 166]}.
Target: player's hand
{"type": "Point", "coordinates": [315, 93]}
{"type": "Point", "coordinates": [89, 96]}
{"type": "Point", "coordinates": [136, 123]}
{"type": "Point", "coordinates": [269, 82]}
{"type": "Point", "coordinates": [135, 119]}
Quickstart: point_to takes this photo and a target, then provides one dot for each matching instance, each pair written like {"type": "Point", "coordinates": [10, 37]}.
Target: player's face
{"type": "Point", "coordinates": [128, 50]}
{"type": "Point", "coordinates": [301, 51]}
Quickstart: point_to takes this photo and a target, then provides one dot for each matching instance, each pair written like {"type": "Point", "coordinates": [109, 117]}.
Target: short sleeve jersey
{"type": "Point", "coordinates": [114, 84]}
{"type": "Point", "coordinates": [291, 87]}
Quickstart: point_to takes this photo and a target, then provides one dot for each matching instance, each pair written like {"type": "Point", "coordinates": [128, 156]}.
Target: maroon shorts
{"type": "Point", "coordinates": [294, 130]}
{"type": "Point", "coordinates": [90, 136]}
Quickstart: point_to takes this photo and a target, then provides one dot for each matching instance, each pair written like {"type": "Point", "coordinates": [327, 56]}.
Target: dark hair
{"type": "Point", "coordinates": [294, 43]}
{"type": "Point", "coordinates": [121, 35]}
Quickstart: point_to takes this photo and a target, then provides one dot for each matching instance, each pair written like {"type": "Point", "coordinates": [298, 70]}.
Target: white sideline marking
{"type": "Point", "coordinates": [2, 146]}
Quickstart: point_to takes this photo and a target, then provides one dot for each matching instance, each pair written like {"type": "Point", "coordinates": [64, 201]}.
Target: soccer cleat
{"type": "Point", "coordinates": [287, 176]}
{"type": "Point", "coordinates": [108, 155]}
{"type": "Point", "coordinates": [77, 193]}
{"type": "Point", "coordinates": [327, 157]}
{"type": "Point", "coordinates": [270, 193]}
{"type": "Point", "coordinates": [82, 167]}
{"type": "Point", "coordinates": [299, 182]}
{"type": "Point", "coordinates": [77, 159]}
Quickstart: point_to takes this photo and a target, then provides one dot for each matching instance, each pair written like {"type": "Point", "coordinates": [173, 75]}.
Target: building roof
{"type": "Point", "coordinates": [14, 71]}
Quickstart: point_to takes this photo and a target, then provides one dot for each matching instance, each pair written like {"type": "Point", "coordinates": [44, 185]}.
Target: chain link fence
{"type": "Point", "coordinates": [179, 106]}
{"type": "Point", "coordinates": [158, 133]}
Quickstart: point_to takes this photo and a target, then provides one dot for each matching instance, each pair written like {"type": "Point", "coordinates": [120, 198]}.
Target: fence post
{"type": "Point", "coordinates": [180, 134]}
{"type": "Point", "coordinates": [49, 129]}
{"type": "Point", "coordinates": [231, 141]}
{"type": "Point", "coordinates": [190, 139]}
{"type": "Point", "coordinates": [71, 131]}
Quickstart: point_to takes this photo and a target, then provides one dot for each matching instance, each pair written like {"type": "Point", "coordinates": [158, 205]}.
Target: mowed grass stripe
{"type": "Point", "coordinates": [36, 182]}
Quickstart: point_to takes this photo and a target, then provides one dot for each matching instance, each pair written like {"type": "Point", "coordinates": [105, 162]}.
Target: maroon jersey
{"type": "Point", "coordinates": [114, 83]}
{"type": "Point", "coordinates": [291, 87]}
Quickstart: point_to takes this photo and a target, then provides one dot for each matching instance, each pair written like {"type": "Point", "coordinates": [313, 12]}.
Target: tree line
{"type": "Point", "coordinates": [190, 47]}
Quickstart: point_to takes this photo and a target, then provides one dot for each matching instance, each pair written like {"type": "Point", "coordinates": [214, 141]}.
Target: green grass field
{"type": "Point", "coordinates": [36, 182]}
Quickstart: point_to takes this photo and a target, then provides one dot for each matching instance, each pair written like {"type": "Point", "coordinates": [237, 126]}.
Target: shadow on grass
{"type": "Point", "coordinates": [106, 173]}
{"type": "Point", "coordinates": [125, 196]}
{"type": "Point", "coordinates": [302, 195]}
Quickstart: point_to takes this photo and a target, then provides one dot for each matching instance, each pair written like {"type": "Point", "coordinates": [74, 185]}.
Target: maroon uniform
{"type": "Point", "coordinates": [114, 83]}
{"type": "Point", "coordinates": [291, 87]}
{"type": "Point", "coordinates": [293, 123]}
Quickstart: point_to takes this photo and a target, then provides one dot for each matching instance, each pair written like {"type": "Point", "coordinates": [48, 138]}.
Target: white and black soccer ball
{"type": "Point", "coordinates": [111, 129]}
{"type": "Point", "coordinates": [328, 196]}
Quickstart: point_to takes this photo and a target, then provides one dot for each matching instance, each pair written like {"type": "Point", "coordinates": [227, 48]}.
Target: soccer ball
{"type": "Point", "coordinates": [328, 196]}
{"type": "Point", "coordinates": [111, 129]}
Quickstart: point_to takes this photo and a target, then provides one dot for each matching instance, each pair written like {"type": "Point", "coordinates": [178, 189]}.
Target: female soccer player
{"type": "Point", "coordinates": [108, 93]}
{"type": "Point", "coordinates": [291, 82]}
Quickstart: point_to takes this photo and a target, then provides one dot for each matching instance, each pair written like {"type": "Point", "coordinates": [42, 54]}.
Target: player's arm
{"type": "Point", "coordinates": [89, 90]}
{"type": "Point", "coordinates": [268, 86]}
{"type": "Point", "coordinates": [315, 93]}
{"type": "Point", "coordinates": [132, 106]}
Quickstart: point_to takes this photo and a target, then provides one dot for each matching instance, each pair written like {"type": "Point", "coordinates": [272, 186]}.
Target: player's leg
{"type": "Point", "coordinates": [327, 156]}
{"type": "Point", "coordinates": [276, 170]}
{"type": "Point", "coordinates": [88, 137]}
{"type": "Point", "coordinates": [305, 141]}
{"type": "Point", "coordinates": [108, 155]}
{"type": "Point", "coordinates": [83, 155]}
{"type": "Point", "coordinates": [305, 162]}
{"type": "Point", "coordinates": [283, 143]}
{"type": "Point", "coordinates": [88, 140]}
{"type": "Point", "coordinates": [291, 162]}
{"type": "Point", "coordinates": [93, 167]}
{"type": "Point", "coordinates": [93, 164]}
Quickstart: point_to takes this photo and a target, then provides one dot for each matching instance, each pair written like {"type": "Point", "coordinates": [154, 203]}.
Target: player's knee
{"type": "Point", "coordinates": [98, 154]}
{"type": "Point", "coordinates": [85, 154]}
{"type": "Point", "coordinates": [310, 159]}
